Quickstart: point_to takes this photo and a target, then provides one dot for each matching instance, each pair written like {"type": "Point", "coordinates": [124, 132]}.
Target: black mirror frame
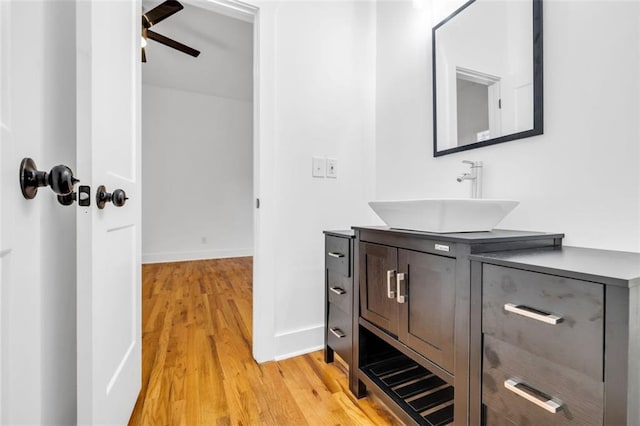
{"type": "Point", "coordinates": [538, 116]}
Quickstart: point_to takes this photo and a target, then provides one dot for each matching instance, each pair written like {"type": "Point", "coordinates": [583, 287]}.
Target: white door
{"type": "Point", "coordinates": [4, 249]}
{"type": "Point", "coordinates": [108, 246]}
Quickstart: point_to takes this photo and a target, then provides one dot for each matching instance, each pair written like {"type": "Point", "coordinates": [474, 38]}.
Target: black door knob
{"type": "Point", "coordinates": [60, 179]}
{"type": "Point", "coordinates": [118, 197]}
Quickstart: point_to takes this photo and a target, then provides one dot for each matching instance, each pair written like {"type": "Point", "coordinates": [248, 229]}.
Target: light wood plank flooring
{"type": "Point", "coordinates": [197, 367]}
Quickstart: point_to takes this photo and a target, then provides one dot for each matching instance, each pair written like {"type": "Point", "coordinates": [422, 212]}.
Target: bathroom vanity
{"type": "Point", "coordinates": [486, 328]}
{"type": "Point", "coordinates": [411, 317]}
{"type": "Point", "coordinates": [555, 337]}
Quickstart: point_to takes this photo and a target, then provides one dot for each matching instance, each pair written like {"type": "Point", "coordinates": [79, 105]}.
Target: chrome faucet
{"type": "Point", "coordinates": [475, 176]}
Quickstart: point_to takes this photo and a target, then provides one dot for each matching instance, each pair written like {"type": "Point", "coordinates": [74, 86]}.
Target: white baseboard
{"type": "Point", "coordinates": [194, 255]}
{"type": "Point", "coordinates": [299, 342]}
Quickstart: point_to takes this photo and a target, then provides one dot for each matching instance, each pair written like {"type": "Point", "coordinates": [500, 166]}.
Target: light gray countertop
{"type": "Point", "coordinates": [606, 266]}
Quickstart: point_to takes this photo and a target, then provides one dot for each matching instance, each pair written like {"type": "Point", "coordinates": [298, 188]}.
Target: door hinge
{"type": "Point", "coordinates": [499, 103]}
{"type": "Point", "coordinates": [257, 203]}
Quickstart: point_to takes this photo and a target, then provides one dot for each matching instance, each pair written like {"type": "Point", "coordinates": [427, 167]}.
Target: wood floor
{"type": "Point", "coordinates": [197, 367]}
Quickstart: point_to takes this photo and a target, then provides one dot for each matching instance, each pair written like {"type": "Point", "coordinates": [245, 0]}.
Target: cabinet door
{"type": "Point", "coordinates": [427, 314]}
{"type": "Point", "coordinates": [376, 262]}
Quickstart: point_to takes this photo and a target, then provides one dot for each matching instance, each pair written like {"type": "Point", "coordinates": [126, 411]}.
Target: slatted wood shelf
{"type": "Point", "coordinates": [425, 397]}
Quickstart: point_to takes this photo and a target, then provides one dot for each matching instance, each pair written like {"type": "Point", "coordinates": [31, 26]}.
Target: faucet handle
{"type": "Point", "coordinates": [473, 163]}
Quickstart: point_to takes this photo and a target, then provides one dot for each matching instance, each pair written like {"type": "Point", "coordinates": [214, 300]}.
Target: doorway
{"type": "Point", "coordinates": [199, 170]}
{"type": "Point", "coordinates": [478, 106]}
{"type": "Point", "coordinates": [199, 143]}
{"type": "Point", "coordinates": [197, 139]}
{"type": "Point", "coordinates": [227, 14]}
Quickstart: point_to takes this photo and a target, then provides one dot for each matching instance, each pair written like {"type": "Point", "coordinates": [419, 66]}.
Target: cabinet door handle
{"type": "Point", "coordinates": [525, 391]}
{"type": "Point", "coordinates": [532, 313]}
{"type": "Point", "coordinates": [401, 287]}
{"type": "Point", "coordinates": [336, 255]}
{"type": "Point", "coordinates": [337, 332]}
{"type": "Point", "coordinates": [390, 293]}
{"type": "Point", "coordinates": [337, 290]}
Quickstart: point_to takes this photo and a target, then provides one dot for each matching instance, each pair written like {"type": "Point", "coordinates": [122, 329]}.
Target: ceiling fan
{"type": "Point", "coordinates": [158, 14]}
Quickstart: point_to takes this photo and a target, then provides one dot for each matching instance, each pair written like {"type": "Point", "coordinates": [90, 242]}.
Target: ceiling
{"type": "Point", "coordinates": [225, 65]}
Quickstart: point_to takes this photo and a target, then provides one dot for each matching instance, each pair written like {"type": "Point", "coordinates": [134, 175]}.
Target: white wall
{"type": "Point", "coordinates": [38, 304]}
{"type": "Point", "coordinates": [316, 95]}
{"type": "Point", "coordinates": [197, 175]}
{"type": "Point", "coordinates": [582, 177]}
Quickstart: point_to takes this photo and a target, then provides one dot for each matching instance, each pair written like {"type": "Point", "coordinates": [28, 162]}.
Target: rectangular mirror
{"type": "Point", "coordinates": [487, 75]}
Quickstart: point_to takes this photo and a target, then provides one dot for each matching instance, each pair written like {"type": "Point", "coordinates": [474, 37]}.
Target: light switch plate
{"type": "Point", "coordinates": [319, 167]}
{"type": "Point", "coordinates": [332, 168]}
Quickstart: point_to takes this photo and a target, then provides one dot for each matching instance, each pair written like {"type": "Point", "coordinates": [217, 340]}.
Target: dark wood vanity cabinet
{"type": "Point", "coordinates": [557, 339]}
{"type": "Point", "coordinates": [338, 335]}
{"type": "Point", "coordinates": [411, 317]}
{"type": "Point", "coordinates": [411, 295]}
{"type": "Point", "coordinates": [427, 314]}
{"type": "Point", "coordinates": [378, 265]}
{"type": "Point", "coordinates": [494, 328]}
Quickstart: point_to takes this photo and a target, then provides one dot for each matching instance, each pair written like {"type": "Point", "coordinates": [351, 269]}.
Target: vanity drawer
{"type": "Point", "coordinates": [339, 332]}
{"type": "Point", "coordinates": [560, 319]}
{"type": "Point", "coordinates": [340, 290]}
{"type": "Point", "coordinates": [337, 255]}
{"type": "Point", "coordinates": [581, 398]}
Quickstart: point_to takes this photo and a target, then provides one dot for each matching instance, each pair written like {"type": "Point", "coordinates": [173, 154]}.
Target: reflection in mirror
{"type": "Point", "coordinates": [478, 100]}
{"type": "Point", "coordinates": [487, 66]}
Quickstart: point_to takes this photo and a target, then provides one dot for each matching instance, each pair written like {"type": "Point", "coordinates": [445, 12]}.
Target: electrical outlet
{"type": "Point", "coordinates": [319, 167]}
{"type": "Point", "coordinates": [332, 168]}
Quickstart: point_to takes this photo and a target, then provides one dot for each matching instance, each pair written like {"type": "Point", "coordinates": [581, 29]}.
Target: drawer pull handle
{"type": "Point", "coordinates": [535, 314]}
{"type": "Point", "coordinates": [401, 290]}
{"type": "Point", "coordinates": [541, 399]}
{"type": "Point", "coordinates": [337, 332]}
{"type": "Point", "coordinates": [337, 290]}
{"type": "Point", "coordinates": [391, 294]}
{"type": "Point", "coordinates": [336, 255]}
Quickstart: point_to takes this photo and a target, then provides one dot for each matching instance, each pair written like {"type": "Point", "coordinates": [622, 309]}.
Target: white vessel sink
{"type": "Point", "coordinates": [443, 215]}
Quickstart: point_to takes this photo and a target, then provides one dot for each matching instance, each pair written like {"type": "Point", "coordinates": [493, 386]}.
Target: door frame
{"type": "Point", "coordinates": [493, 91]}
{"type": "Point", "coordinates": [3, 252]}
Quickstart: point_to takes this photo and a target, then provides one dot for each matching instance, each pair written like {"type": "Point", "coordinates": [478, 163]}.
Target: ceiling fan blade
{"type": "Point", "coordinates": [160, 13]}
{"type": "Point", "coordinates": [172, 43]}
{"type": "Point", "coordinates": [144, 55]}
